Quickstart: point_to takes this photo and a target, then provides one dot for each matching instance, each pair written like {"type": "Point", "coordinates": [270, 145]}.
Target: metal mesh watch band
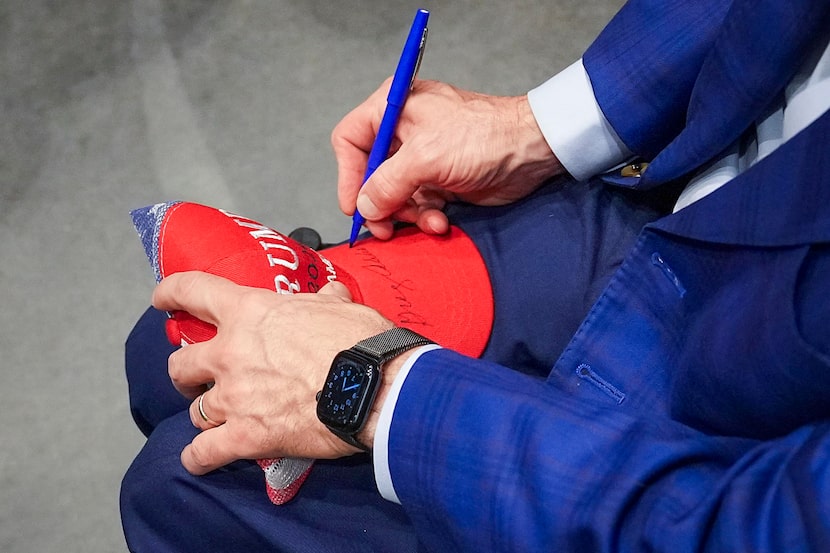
{"type": "Point", "coordinates": [391, 343]}
{"type": "Point", "coordinates": [379, 349]}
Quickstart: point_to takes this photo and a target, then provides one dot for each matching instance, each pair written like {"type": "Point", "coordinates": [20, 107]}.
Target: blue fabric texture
{"type": "Point", "coordinates": [743, 74]}
{"type": "Point", "coordinates": [705, 70]}
{"type": "Point", "coordinates": [147, 222]}
{"type": "Point", "coordinates": [644, 64]}
{"type": "Point", "coordinates": [688, 413]}
{"type": "Point", "coordinates": [569, 237]}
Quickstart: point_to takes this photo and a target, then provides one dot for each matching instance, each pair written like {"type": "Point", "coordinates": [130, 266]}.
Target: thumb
{"type": "Point", "coordinates": [390, 187]}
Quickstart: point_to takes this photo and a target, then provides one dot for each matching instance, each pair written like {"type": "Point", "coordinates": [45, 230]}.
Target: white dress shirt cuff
{"type": "Point", "coordinates": [380, 447]}
{"type": "Point", "coordinates": [573, 124]}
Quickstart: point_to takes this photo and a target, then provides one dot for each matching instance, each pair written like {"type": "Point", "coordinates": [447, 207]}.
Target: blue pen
{"type": "Point", "coordinates": [413, 51]}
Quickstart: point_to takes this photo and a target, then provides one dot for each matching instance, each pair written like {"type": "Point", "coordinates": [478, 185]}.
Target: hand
{"type": "Point", "coordinates": [449, 144]}
{"type": "Point", "coordinates": [268, 360]}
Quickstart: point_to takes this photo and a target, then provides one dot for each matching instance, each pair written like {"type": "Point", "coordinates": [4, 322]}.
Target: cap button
{"type": "Point", "coordinates": [307, 237]}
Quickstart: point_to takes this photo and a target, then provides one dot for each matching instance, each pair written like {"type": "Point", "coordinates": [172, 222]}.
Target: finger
{"type": "Point", "coordinates": [336, 288]}
{"type": "Point", "coordinates": [360, 125]}
{"type": "Point", "coordinates": [351, 165]}
{"type": "Point", "coordinates": [433, 221]}
{"type": "Point", "coordinates": [203, 416]}
{"type": "Point", "coordinates": [191, 368]}
{"type": "Point", "coordinates": [352, 139]}
{"type": "Point", "coordinates": [426, 211]}
{"type": "Point", "coordinates": [431, 218]}
{"type": "Point", "coordinates": [190, 392]}
{"type": "Point", "coordinates": [391, 185]}
{"type": "Point", "coordinates": [203, 295]}
{"type": "Point", "coordinates": [382, 230]}
{"type": "Point", "coordinates": [209, 451]}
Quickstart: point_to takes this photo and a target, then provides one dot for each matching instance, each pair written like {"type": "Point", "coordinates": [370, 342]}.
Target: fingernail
{"type": "Point", "coordinates": [366, 208]}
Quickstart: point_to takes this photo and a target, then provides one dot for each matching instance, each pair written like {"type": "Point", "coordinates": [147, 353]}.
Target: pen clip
{"type": "Point", "coordinates": [421, 48]}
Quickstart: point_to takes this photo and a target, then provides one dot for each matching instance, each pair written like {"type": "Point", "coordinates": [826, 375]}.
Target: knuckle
{"type": "Point", "coordinates": [383, 194]}
{"type": "Point", "coordinates": [184, 283]}
{"type": "Point", "coordinates": [224, 357]}
{"type": "Point", "coordinates": [250, 300]}
{"type": "Point", "coordinates": [337, 135]}
{"type": "Point", "coordinates": [181, 285]}
{"type": "Point", "coordinates": [421, 150]}
{"type": "Point", "coordinates": [174, 367]}
{"type": "Point", "coordinates": [426, 155]}
{"type": "Point", "coordinates": [383, 89]}
{"type": "Point", "coordinates": [200, 454]}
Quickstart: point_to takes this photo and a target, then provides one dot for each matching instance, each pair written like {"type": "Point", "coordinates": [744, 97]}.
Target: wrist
{"type": "Point", "coordinates": [388, 375]}
{"type": "Point", "coordinates": [532, 149]}
{"type": "Point", "coordinates": [355, 384]}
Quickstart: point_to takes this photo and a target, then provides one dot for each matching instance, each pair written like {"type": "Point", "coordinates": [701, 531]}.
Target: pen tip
{"type": "Point", "coordinates": [356, 225]}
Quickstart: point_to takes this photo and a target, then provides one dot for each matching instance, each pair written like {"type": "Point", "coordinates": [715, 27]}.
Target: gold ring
{"type": "Point", "coordinates": [202, 414]}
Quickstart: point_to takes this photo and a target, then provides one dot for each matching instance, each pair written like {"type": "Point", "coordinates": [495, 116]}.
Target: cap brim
{"type": "Point", "coordinates": [437, 286]}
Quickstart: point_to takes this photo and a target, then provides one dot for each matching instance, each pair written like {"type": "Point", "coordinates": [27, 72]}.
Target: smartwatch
{"type": "Point", "coordinates": [348, 393]}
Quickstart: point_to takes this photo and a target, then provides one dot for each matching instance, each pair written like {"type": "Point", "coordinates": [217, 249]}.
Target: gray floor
{"type": "Point", "coordinates": [107, 106]}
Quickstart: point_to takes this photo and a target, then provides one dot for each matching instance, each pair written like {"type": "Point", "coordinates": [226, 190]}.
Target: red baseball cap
{"type": "Point", "coordinates": [437, 286]}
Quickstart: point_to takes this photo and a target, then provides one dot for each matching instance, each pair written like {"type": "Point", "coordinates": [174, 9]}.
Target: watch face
{"type": "Point", "coordinates": [348, 392]}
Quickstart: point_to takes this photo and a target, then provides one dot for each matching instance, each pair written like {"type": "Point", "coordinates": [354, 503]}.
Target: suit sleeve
{"type": "Point", "coordinates": [486, 459]}
{"type": "Point", "coordinates": [644, 64]}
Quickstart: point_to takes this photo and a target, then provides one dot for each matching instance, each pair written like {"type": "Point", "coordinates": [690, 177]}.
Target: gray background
{"type": "Point", "coordinates": [110, 105]}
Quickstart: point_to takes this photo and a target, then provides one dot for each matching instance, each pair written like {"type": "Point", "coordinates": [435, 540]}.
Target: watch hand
{"type": "Point", "coordinates": [345, 389]}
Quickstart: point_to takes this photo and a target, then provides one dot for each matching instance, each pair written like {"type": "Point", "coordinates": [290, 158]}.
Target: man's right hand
{"type": "Point", "coordinates": [449, 144]}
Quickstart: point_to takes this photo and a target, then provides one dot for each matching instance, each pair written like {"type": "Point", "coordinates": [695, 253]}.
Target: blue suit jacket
{"type": "Point", "coordinates": [691, 409]}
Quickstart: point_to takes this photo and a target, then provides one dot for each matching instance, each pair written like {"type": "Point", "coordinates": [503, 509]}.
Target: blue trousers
{"type": "Point", "coordinates": [549, 257]}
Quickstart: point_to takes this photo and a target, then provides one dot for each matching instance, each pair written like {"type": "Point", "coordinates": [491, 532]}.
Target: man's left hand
{"type": "Point", "coordinates": [270, 356]}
